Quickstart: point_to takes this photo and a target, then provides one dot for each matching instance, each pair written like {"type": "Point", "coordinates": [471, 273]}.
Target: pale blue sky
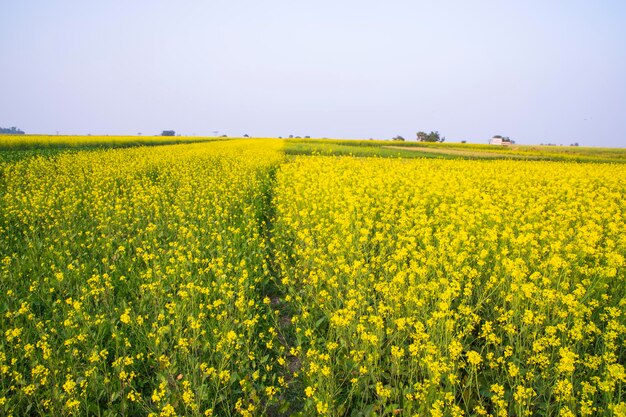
{"type": "Point", "coordinates": [537, 71]}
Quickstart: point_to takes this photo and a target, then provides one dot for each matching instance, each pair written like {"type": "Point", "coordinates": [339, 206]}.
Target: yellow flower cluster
{"type": "Point", "coordinates": [449, 287]}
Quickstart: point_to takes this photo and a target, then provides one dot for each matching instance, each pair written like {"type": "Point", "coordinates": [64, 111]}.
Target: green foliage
{"type": "Point", "coordinates": [429, 137]}
{"type": "Point", "coordinates": [358, 148]}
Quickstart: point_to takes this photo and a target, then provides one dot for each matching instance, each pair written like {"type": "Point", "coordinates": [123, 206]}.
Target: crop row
{"type": "Point", "coordinates": [132, 282]}
{"type": "Point", "coordinates": [426, 287]}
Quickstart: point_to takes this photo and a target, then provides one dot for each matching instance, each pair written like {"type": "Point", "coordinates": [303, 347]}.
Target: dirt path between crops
{"type": "Point", "coordinates": [285, 310]}
{"type": "Point", "coordinates": [461, 152]}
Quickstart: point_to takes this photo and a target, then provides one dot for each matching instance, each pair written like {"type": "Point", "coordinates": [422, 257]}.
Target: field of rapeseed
{"type": "Point", "coordinates": [132, 280]}
{"type": "Point", "coordinates": [226, 278]}
{"type": "Point", "coordinates": [453, 150]}
{"type": "Point", "coordinates": [18, 142]}
{"type": "Point", "coordinates": [433, 287]}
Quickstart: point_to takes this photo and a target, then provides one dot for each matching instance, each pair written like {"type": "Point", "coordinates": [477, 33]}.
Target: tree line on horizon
{"type": "Point", "coordinates": [11, 131]}
{"type": "Point", "coordinates": [424, 137]}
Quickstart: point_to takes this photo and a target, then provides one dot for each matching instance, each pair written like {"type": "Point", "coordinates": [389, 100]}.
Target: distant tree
{"type": "Point", "coordinates": [398, 138]}
{"type": "Point", "coordinates": [574, 144]}
{"type": "Point", "coordinates": [246, 136]}
{"type": "Point", "coordinates": [12, 131]}
{"type": "Point", "coordinates": [463, 141]}
{"type": "Point", "coordinates": [168, 133]}
{"type": "Point", "coordinates": [429, 137]}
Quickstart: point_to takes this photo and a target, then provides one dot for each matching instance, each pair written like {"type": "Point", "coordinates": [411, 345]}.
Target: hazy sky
{"type": "Point", "coordinates": [537, 71]}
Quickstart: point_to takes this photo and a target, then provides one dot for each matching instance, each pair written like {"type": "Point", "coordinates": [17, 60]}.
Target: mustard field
{"type": "Point", "coordinates": [13, 142]}
{"type": "Point", "coordinates": [237, 278]}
